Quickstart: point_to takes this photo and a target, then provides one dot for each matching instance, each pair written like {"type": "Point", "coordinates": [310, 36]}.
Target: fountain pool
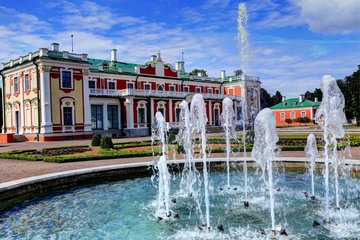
{"type": "Point", "coordinates": [125, 210]}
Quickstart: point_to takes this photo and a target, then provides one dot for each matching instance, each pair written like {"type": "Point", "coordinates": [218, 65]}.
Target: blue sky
{"type": "Point", "coordinates": [293, 42]}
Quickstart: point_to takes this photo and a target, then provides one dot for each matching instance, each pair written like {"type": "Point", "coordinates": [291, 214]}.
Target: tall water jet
{"type": "Point", "coordinates": [264, 152]}
{"type": "Point", "coordinates": [228, 123]}
{"type": "Point", "coordinates": [199, 120]}
{"type": "Point", "coordinates": [184, 138]}
{"type": "Point", "coordinates": [243, 123]}
{"type": "Point", "coordinates": [311, 155]}
{"type": "Point", "coordinates": [163, 203]}
{"type": "Point", "coordinates": [331, 117]}
{"type": "Point", "coordinates": [243, 37]}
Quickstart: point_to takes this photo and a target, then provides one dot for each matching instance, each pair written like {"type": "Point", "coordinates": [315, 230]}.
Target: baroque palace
{"type": "Point", "coordinates": [56, 95]}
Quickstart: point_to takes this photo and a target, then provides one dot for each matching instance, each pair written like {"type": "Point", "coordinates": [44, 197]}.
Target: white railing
{"type": "Point", "coordinates": [154, 93]}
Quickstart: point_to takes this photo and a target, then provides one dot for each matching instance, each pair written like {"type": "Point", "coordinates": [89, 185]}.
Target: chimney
{"type": "Point", "coordinates": [114, 55]}
{"type": "Point", "coordinates": [283, 98]}
{"type": "Point", "coordinates": [153, 58]}
{"type": "Point", "coordinates": [223, 74]}
{"type": "Point", "coordinates": [316, 99]}
{"type": "Point", "coordinates": [55, 47]}
{"type": "Point", "coordinates": [301, 98]}
{"type": "Point", "coordinates": [199, 74]}
{"type": "Point", "coordinates": [180, 66]}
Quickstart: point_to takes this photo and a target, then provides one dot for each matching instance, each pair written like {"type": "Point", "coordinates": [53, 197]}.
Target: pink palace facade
{"type": "Point", "coordinates": [56, 95]}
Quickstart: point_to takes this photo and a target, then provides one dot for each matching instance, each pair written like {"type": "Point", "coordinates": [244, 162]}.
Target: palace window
{"type": "Point", "coordinates": [160, 88]}
{"type": "Point", "coordinates": [92, 84]}
{"type": "Point", "coordinates": [217, 91]}
{"type": "Point", "coordinates": [282, 116]}
{"type": "Point", "coordinates": [130, 85]}
{"type": "Point", "coordinates": [292, 115]}
{"type": "Point", "coordinates": [147, 86]}
{"type": "Point", "coordinates": [113, 116]}
{"type": "Point", "coordinates": [97, 116]}
{"type": "Point", "coordinates": [141, 113]}
{"type": "Point", "coordinates": [111, 85]}
{"type": "Point", "coordinates": [68, 116]}
{"type": "Point", "coordinates": [16, 85]}
{"type": "Point", "coordinates": [27, 82]}
{"type": "Point", "coordinates": [66, 81]}
{"type": "Point", "coordinates": [303, 114]}
{"type": "Point", "coordinates": [161, 108]}
{"type": "Point", "coordinates": [186, 89]}
{"type": "Point", "coordinates": [198, 90]}
{"type": "Point", "coordinates": [172, 88]}
{"type": "Point", "coordinates": [209, 90]}
{"type": "Point", "coordinates": [177, 112]}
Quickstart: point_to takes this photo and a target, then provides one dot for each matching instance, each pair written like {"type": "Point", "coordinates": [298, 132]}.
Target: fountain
{"type": "Point", "coordinates": [199, 120]}
{"type": "Point", "coordinates": [311, 155]}
{"type": "Point", "coordinates": [264, 152]}
{"type": "Point", "coordinates": [228, 123]}
{"type": "Point", "coordinates": [331, 117]}
{"type": "Point", "coordinates": [163, 204]}
{"type": "Point", "coordinates": [243, 45]}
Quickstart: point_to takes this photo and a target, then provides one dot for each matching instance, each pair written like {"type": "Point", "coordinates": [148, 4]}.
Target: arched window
{"type": "Point", "coordinates": [141, 114]}
{"type": "Point", "coordinates": [27, 115]}
{"type": "Point", "coordinates": [161, 108]}
{"type": "Point", "coordinates": [217, 114]}
{"type": "Point", "coordinates": [177, 111]}
{"type": "Point", "coordinates": [34, 113]}
{"type": "Point", "coordinates": [68, 114]}
{"type": "Point", "coordinates": [160, 87]}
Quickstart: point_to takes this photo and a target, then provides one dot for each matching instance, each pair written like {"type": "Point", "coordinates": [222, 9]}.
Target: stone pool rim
{"type": "Point", "coordinates": [17, 191]}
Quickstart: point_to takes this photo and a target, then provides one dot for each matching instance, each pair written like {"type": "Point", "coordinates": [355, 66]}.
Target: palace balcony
{"type": "Point", "coordinates": [155, 93]}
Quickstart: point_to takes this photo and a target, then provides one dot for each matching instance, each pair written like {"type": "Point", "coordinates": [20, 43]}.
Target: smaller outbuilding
{"type": "Point", "coordinates": [295, 111]}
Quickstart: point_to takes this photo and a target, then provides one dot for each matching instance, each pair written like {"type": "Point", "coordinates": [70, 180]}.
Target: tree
{"type": "Point", "coordinates": [238, 72]}
{"type": "Point", "coordinates": [288, 121]}
{"type": "Point", "coordinates": [300, 120]}
{"type": "Point", "coordinates": [307, 120]}
{"type": "Point", "coordinates": [315, 94]}
{"type": "Point", "coordinates": [202, 71]}
{"type": "Point", "coordinates": [277, 98]}
{"type": "Point", "coordinates": [265, 99]}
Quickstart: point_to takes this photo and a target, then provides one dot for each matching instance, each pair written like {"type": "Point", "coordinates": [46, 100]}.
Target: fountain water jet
{"type": "Point", "coordinates": [311, 155]}
{"type": "Point", "coordinates": [228, 123]}
{"type": "Point", "coordinates": [199, 120]}
{"type": "Point", "coordinates": [163, 204]}
{"type": "Point", "coordinates": [243, 123]}
{"type": "Point", "coordinates": [264, 151]}
{"type": "Point", "coordinates": [243, 37]}
{"type": "Point", "coordinates": [331, 117]}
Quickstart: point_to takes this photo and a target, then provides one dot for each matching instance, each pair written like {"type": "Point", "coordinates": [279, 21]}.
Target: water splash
{"type": "Point", "coordinates": [228, 123]}
{"type": "Point", "coordinates": [331, 117]}
{"type": "Point", "coordinates": [163, 203]}
{"type": "Point", "coordinates": [264, 151]}
{"type": "Point", "coordinates": [243, 123]}
{"type": "Point", "coordinates": [311, 155]}
{"type": "Point", "coordinates": [199, 120]}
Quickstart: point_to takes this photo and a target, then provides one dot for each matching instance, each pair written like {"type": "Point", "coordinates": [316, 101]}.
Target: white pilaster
{"type": "Point", "coordinates": [45, 100]}
{"type": "Point", "coordinates": [130, 112]}
{"type": "Point", "coordinates": [211, 112]}
{"type": "Point", "coordinates": [170, 111]}
{"type": "Point", "coordinates": [151, 111]}
{"type": "Point", "coordinates": [86, 102]}
{"type": "Point", "coordinates": [105, 117]}
{"type": "Point", "coordinates": [22, 109]}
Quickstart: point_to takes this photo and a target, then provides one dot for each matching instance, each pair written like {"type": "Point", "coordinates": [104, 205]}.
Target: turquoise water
{"type": "Point", "coordinates": [125, 210]}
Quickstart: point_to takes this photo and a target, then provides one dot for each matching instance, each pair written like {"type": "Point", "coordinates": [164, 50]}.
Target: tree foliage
{"type": "Point", "coordinates": [268, 100]}
{"type": "Point", "coordinates": [196, 71]}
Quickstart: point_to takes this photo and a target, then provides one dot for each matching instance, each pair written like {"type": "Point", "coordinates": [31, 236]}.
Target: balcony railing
{"type": "Point", "coordinates": [154, 93]}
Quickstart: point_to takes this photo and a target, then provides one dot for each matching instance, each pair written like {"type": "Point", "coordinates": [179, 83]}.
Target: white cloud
{"type": "Point", "coordinates": [331, 16]}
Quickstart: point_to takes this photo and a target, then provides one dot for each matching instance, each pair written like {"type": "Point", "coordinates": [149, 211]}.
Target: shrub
{"type": "Point", "coordinates": [180, 148]}
{"type": "Point", "coordinates": [65, 147]}
{"type": "Point", "coordinates": [106, 143]}
{"type": "Point", "coordinates": [96, 139]}
{"type": "Point", "coordinates": [288, 121]}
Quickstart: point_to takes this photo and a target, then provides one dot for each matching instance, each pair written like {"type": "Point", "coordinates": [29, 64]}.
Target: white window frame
{"type": "Point", "coordinates": [141, 125]}
{"type": "Point", "coordinates": [108, 85]}
{"type": "Point", "coordinates": [217, 91]}
{"type": "Point", "coordinates": [292, 115]}
{"type": "Point", "coordinates": [282, 115]}
{"type": "Point", "coordinates": [92, 80]}
{"type": "Point", "coordinates": [158, 105]}
{"type": "Point", "coordinates": [147, 84]}
{"type": "Point", "coordinates": [210, 90]}
{"type": "Point", "coordinates": [29, 83]}
{"type": "Point", "coordinates": [162, 86]}
{"type": "Point", "coordinates": [68, 128]}
{"type": "Point", "coordinates": [188, 89]}
{"type": "Point", "coordinates": [196, 90]}
{"type": "Point", "coordinates": [303, 113]}
{"type": "Point", "coordinates": [71, 78]}
{"type": "Point", "coordinates": [173, 87]}
{"type": "Point", "coordinates": [16, 79]}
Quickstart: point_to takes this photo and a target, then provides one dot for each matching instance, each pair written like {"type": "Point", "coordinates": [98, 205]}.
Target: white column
{"type": "Point", "coordinates": [105, 117]}
{"type": "Point", "coordinates": [129, 112]}
{"type": "Point", "coordinates": [22, 109]}
{"type": "Point", "coordinates": [170, 111]}
{"type": "Point", "coordinates": [86, 102]}
{"type": "Point", "coordinates": [119, 116]}
{"type": "Point", "coordinates": [211, 112]}
{"type": "Point", "coordinates": [151, 111]}
{"type": "Point", "coordinates": [45, 100]}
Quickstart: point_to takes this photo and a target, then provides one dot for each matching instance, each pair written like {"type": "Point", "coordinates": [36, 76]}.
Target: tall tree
{"type": "Point", "coordinates": [265, 99]}
{"type": "Point", "coordinates": [196, 71]}
{"type": "Point", "coordinates": [277, 98]}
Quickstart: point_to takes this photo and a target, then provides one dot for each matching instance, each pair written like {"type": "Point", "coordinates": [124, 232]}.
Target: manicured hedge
{"type": "Point", "coordinates": [26, 157]}
{"type": "Point", "coordinates": [65, 147]}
